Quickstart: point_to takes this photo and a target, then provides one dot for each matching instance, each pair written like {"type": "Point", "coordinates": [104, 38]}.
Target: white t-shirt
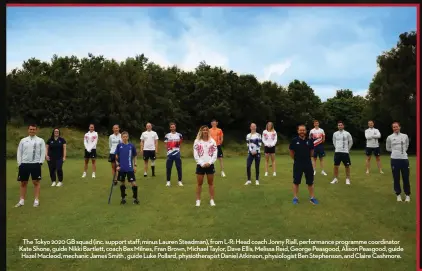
{"type": "Point", "coordinates": [149, 137]}
{"type": "Point", "coordinates": [317, 135]}
{"type": "Point", "coordinates": [205, 151]}
{"type": "Point", "coordinates": [90, 141]}
{"type": "Point", "coordinates": [113, 141]}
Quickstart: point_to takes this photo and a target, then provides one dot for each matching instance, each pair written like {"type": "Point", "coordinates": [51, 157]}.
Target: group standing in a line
{"type": "Point", "coordinates": [304, 150]}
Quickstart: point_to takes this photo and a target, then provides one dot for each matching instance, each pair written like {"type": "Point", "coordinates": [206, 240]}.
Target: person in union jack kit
{"type": "Point", "coordinates": [173, 142]}
{"type": "Point", "coordinates": [205, 153]}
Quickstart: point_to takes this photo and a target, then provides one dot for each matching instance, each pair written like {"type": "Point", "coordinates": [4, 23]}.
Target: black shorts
{"type": "Point", "coordinates": [370, 151]}
{"type": "Point", "coordinates": [205, 171]}
{"type": "Point", "coordinates": [29, 170]}
{"type": "Point", "coordinates": [112, 158]}
{"type": "Point", "coordinates": [90, 155]}
{"type": "Point", "coordinates": [341, 157]}
{"type": "Point", "coordinates": [219, 152]}
{"type": "Point", "coordinates": [319, 151]}
{"type": "Point", "coordinates": [299, 170]}
{"type": "Point", "coordinates": [130, 176]}
{"type": "Point", "coordinates": [269, 150]}
{"type": "Point", "coordinates": [149, 155]}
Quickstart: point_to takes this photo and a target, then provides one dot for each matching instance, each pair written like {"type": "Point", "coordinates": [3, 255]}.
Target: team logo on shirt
{"type": "Point", "coordinates": [265, 136]}
{"type": "Point", "coordinates": [211, 150]}
{"type": "Point", "coordinates": [199, 149]}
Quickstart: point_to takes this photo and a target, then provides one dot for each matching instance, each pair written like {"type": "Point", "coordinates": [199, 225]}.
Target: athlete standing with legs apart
{"type": "Point", "coordinates": [343, 142]}
{"type": "Point", "coordinates": [269, 138]}
{"type": "Point", "coordinates": [218, 136]}
{"type": "Point", "coordinates": [205, 153]}
{"type": "Point", "coordinates": [301, 150]}
{"type": "Point", "coordinates": [253, 141]}
{"type": "Point", "coordinates": [30, 157]}
{"type": "Point", "coordinates": [317, 134]}
{"type": "Point", "coordinates": [114, 140]}
{"type": "Point", "coordinates": [149, 148]}
{"type": "Point", "coordinates": [397, 144]}
{"type": "Point", "coordinates": [126, 166]}
{"type": "Point", "coordinates": [173, 142]}
{"type": "Point", "coordinates": [90, 142]}
{"type": "Point", "coordinates": [55, 156]}
{"type": "Point", "coordinates": [372, 136]}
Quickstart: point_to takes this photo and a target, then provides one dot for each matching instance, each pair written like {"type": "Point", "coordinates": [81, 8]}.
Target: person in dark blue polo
{"type": "Point", "coordinates": [55, 156]}
{"type": "Point", "coordinates": [301, 151]}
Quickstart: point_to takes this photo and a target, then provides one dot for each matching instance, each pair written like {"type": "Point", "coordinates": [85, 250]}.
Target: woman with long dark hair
{"type": "Point", "coordinates": [55, 156]}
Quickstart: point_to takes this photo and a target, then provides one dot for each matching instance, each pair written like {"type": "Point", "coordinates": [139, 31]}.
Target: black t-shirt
{"type": "Point", "coordinates": [55, 147]}
{"type": "Point", "coordinates": [302, 149]}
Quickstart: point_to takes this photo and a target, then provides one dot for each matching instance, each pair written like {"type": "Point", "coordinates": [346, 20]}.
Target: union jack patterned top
{"type": "Point", "coordinates": [205, 151]}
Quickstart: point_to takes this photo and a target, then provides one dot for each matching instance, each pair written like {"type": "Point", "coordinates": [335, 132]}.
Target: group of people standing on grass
{"type": "Point", "coordinates": [305, 150]}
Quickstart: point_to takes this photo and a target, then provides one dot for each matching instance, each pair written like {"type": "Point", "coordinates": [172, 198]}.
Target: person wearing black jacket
{"type": "Point", "coordinates": [55, 156]}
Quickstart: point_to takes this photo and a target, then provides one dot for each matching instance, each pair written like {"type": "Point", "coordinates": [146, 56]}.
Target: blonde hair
{"type": "Point", "coordinates": [272, 126]}
{"type": "Point", "coordinates": [200, 136]}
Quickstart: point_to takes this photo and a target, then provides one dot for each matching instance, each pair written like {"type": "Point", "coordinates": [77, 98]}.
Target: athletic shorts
{"type": "Point", "coordinates": [341, 157]}
{"type": "Point", "coordinates": [269, 150]}
{"type": "Point", "coordinates": [130, 176]}
{"type": "Point", "coordinates": [219, 152]}
{"type": "Point", "coordinates": [29, 170]}
{"type": "Point", "coordinates": [149, 155]}
{"type": "Point", "coordinates": [205, 171]}
{"type": "Point", "coordinates": [319, 151]}
{"type": "Point", "coordinates": [112, 158]}
{"type": "Point", "coordinates": [90, 155]}
{"type": "Point", "coordinates": [305, 169]}
{"type": "Point", "coordinates": [370, 151]}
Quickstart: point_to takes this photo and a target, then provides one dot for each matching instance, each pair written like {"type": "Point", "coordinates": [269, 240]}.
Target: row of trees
{"type": "Point", "coordinates": [74, 92]}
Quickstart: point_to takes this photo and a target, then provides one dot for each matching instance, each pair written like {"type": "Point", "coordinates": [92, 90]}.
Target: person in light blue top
{"type": "Point", "coordinates": [254, 142]}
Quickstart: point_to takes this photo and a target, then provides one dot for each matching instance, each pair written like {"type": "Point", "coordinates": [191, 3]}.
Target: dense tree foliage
{"type": "Point", "coordinates": [73, 92]}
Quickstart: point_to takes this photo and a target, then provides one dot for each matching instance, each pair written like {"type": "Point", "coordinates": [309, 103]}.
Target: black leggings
{"type": "Point", "coordinates": [56, 165]}
{"type": "Point", "coordinates": [249, 160]}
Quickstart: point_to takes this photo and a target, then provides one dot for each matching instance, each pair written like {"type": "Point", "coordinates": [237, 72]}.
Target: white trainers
{"type": "Point", "coordinates": [223, 174]}
{"type": "Point", "coordinates": [256, 182]}
{"type": "Point", "coordinates": [180, 183]}
{"type": "Point", "coordinates": [266, 174]}
{"type": "Point", "coordinates": [198, 203]}
{"type": "Point", "coordinates": [59, 184]}
{"type": "Point", "coordinates": [19, 204]}
{"type": "Point", "coordinates": [53, 184]}
{"type": "Point", "coordinates": [399, 198]}
{"type": "Point", "coordinates": [314, 172]}
{"type": "Point", "coordinates": [407, 199]}
{"type": "Point", "coordinates": [323, 173]}
{"type": "Point", "coordinates": [381, 172]}
{"type": "Point", "coordinates": [334, 181]}
{"type": "Point", "coordinates": [274, 174]}
{"type": "Point", "coordinates": [248, 182]}
{"type": "Point", "coordinates": [84, 175]}
{"type": "Point", "coordinates": [347, 181]}
{"type": "Point", "coordinates": [212, 203]}
{"type": "Point", "coordinates": [36, 203]}
{"type": "Point", "coordinates": [93, 175]}
{"type": "Point", "coordinates": [168, 184]}
{"type": "Point", "coordinates": [367, 172]}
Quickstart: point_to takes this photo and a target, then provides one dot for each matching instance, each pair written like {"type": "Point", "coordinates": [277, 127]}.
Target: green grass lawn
{"type": "Point", "coordinates": [366, 210]}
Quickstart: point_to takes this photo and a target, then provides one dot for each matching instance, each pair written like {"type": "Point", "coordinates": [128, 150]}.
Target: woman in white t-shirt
{"type": "Point", "coordinates": [269, 138]}
{"type": "Point", "coordinates": [90, 143]}
{"type": "Point", "coordinates": [113, 141]}
{"type": "Point", "coordinates": [205, 153]}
